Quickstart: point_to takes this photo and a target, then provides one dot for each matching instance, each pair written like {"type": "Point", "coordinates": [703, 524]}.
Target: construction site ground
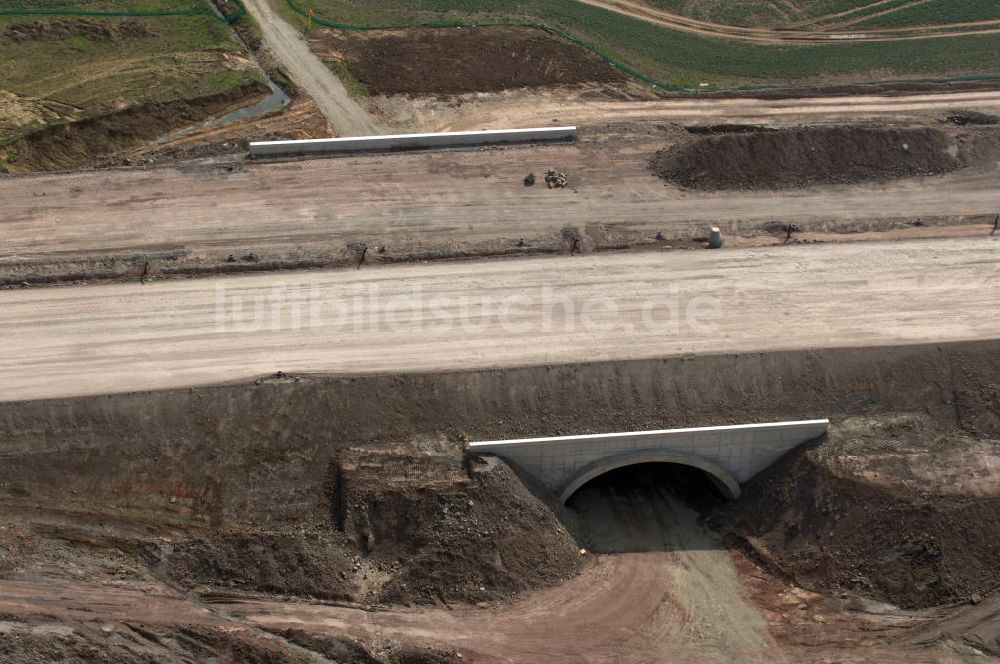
{"type": "Point", "coordinates": [110, 503]}
{"type": "Point", "coordinates": [192, 218]}
{"type": "Point", "coordinates": [273, 467]}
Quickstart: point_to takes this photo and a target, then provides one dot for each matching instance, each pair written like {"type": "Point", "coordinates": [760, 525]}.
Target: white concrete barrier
{"type": "Point", "coordinates": [411, 141]}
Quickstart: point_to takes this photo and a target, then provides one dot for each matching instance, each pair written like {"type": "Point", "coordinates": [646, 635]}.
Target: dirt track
{"type": "Point", "coordinates": [823, 34]}
{"type": "Point", "coordinates": [346, 116]}
{"type": "Point", "coordinates": [680, 592]}
{"type": "Point", "coordinates": [527, 109]}
{"type": "Point", "coordinates": [136, 337]}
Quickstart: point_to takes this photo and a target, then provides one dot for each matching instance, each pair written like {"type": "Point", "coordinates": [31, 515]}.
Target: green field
{"type": "Point", "coordinates": [61, 68]}
{"type": "Point", "coordinates": [768, 13]}
{"type": "Point", "coordinates": [685, 59]}
{"type": "Point", "coordinates": [748, 13]}
{"type": "Point", "coordinates": [937, 12]}
{"type": "Point", "coordinates": [105, 5]}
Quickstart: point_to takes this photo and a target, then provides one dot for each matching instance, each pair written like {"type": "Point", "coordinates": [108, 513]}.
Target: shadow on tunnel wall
{"type": "Point", "coordinates": [648, 507]}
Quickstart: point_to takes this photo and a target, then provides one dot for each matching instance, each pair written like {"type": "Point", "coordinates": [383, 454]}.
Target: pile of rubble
{"type": "Point", "coordinates": [556, 179]}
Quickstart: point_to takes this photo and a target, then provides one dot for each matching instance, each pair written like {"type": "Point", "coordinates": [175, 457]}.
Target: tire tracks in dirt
{"type": "Point", "coordinates": [778, 36]}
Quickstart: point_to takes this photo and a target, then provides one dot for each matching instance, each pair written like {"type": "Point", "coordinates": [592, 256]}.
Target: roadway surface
{"type": "Point", "coordinates": [334, 101]}
{"type": "Point", "coordinates": [115, 338]}
{"type": "Point", "coordinates": [529, 108]}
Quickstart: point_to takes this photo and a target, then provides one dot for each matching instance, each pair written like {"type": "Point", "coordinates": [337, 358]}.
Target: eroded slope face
{"type": "Point", "coordinates": [357, 488]}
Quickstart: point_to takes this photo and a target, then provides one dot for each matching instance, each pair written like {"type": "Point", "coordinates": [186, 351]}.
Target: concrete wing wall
{"type": "Point", "coordinates": [741, 451]}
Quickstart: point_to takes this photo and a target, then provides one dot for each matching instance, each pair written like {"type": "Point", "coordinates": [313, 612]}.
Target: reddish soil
{"type": "Point", "coordinates": [452, 61]}
{"type": "Point", "coordinates": [803, 157]}
{"type": "Point", "coordinates": [407, 524]}
{"type": "Point", "coordinates": [893, 508]}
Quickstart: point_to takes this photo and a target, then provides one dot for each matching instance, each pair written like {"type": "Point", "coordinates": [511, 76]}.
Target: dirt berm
{"type": "Point", "coordinates": [806, 156]}
{"type": "Point", "coordinates": [81, 143]}
{"type": "Point", "coordinates": [355, 487]}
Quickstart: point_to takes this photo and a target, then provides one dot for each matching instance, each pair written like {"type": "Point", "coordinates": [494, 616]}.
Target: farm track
{"type": "Point", "coordinates": [334, 101]}
{"type": "Point", "coordinates": [775, 36]}
{"type": "Point", "coordinates": [817, 20]}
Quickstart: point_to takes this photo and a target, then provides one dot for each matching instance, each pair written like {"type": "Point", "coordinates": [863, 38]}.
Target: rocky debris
{"type": "Point", "coordinates": [413, 523]}
{"type": "Point", "coordinates": [556, 179]}
{"type": "Point", "coordinates": [432, 526]}
{"type": "Point", "coordinates": [349, 651]}
{"type": "Point", "coordinates": [806, 156]}
{"type": "Point", "coordinates": [286, 563]}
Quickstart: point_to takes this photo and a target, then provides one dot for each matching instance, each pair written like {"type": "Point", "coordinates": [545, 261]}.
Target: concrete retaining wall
{"type": "Point", "coordinates": [411, 141]}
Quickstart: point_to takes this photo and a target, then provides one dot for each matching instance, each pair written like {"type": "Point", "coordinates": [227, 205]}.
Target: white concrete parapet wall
{"type": "Point", "coordinates": [731, 454]}
{"type": "Point", "coordinates": [411, 141]}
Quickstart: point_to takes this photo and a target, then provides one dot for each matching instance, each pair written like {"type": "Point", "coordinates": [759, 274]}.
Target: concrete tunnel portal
{"type": "Point", "coordinates": [723, 481]}
{"type": "Point", "coordinates": [728, 455]}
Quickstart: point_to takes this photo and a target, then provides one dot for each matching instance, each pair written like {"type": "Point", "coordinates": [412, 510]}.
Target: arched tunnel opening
{"type": "Point", "coordinates": [648, 507]}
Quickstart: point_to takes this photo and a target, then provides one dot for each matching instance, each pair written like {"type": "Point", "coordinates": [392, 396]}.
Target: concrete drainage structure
{"type": "Point", "coordinates": [730, 455]}
{"type": "Point", "coordinates": [410, 141]}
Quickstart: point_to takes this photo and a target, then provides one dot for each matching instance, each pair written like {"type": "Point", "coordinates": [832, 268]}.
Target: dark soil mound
{"type": "Point", "coordinates": [801, 157]}
{"type": "Point", "coordinates": [284, 563]}
{"type": "Point", "coordinates": [467, 60]}
{"type": "Point", "coordinates": [402, 528]}
{"type": "Point", "coordinates": [58, 29]}
{"type": "Point", "coordinates": [441, 532]}
{"type": "Point", "coordinates": [79, 143]}
{"type": "Point", "coordinates": [882, 507]}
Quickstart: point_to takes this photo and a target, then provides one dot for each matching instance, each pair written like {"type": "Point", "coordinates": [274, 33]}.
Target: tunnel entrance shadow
{"type": "Point", "coordinates": [648, 507]}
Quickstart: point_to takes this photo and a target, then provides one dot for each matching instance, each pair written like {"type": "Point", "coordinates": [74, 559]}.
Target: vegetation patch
{"type": "Point", "coordinates": [353, 84]}
{"type": "Point", "coordinates": [681, 58]}
{"type": "Point", "coordinates": [937, 12]}
{"type": "Point", "coordinates": [61, 69]}
{"type": "Point", "coordinates": [74, 144]}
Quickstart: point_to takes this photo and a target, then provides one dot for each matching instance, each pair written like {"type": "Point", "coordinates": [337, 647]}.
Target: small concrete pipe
{"type": "Point", "coordinates": [715, 238]}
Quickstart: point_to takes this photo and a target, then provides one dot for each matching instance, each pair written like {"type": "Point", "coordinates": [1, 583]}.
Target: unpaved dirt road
{"type": "Point", "coordinates": [330, 95]}
{"type": "Point", "coordinates": [841, 33]}
{"type": "Point", "coordinates": [529, 108]}
{"type": "Point", "coordinates": [663, 583]}
{"type": "Point", "coordinates": [116, 338]}
{"type": "Point", "coordinates": [430, 205]}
